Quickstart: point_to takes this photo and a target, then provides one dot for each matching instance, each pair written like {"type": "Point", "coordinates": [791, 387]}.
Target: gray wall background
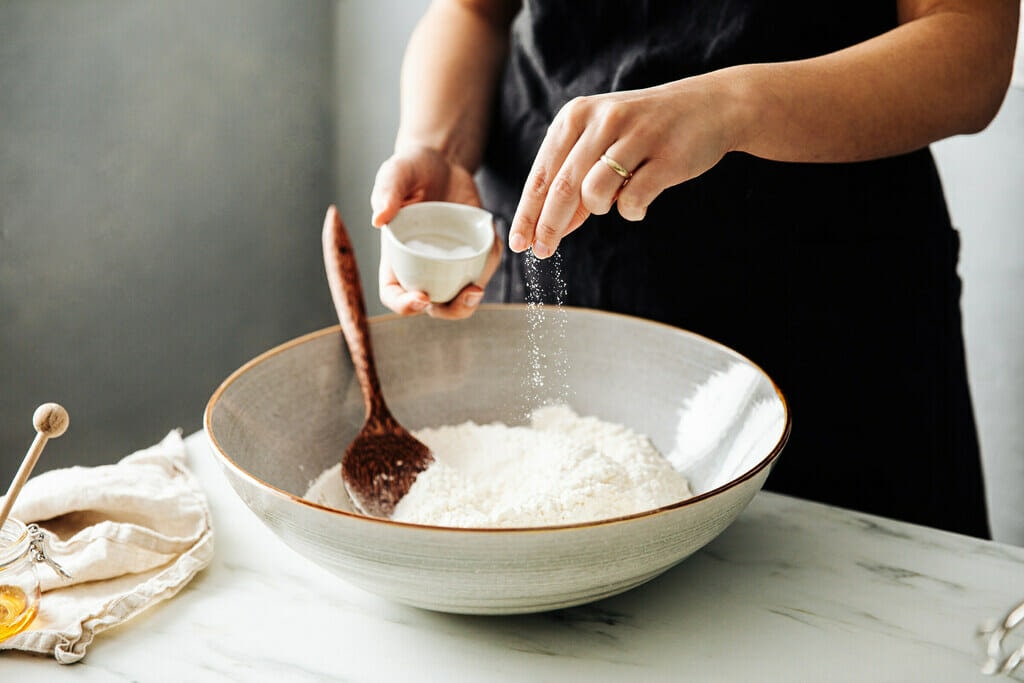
{"type": "Point", "coordinates": [164, 169]}
{"type": "Point", "coordinates": [164, 165]}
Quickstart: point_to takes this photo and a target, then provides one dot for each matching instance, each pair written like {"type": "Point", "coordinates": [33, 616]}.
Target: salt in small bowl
{"type": "Point", "coordinates": [438, 247]}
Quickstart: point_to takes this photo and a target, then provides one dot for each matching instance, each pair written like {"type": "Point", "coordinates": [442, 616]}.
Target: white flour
{"type": "Point", "coordinates": [563, 469]}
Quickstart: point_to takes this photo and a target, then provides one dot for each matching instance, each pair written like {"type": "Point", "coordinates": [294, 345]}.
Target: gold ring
{"type": "Point", "coordinates": [616, 166]}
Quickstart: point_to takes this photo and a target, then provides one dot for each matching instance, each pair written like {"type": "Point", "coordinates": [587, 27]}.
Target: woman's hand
{"type": "Point", "coordinates": [416, 175]}
{"type": "Point", "coordinates": [651, 139]}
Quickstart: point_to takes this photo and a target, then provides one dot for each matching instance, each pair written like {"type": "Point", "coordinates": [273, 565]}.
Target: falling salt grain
{"type": "Point", "coordinates": [546, 334]}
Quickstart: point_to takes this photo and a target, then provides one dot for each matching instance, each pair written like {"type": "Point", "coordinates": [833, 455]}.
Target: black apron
{"type": "Point", "coordinates": [839, 280]}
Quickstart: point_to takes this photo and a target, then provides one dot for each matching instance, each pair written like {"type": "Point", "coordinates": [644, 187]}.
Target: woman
{"type": "Point", "coordinates": [757, 172]}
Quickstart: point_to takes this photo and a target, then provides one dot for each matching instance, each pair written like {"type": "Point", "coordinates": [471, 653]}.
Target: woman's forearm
{"type": "Point", "coordinates": [449, 75]}
{"type": "Point", "coordinates": [943, 72]}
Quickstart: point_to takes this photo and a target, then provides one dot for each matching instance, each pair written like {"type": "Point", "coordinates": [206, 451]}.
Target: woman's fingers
{"type": "Point", "coordinates": [642, 189]}
{"type": "Point", "coordinates": [584, 162]}
{"type": "Point", "coordinates": [607, 178]}
{"type": "Point", "coordinates": [415, 175]}
{"type": "Point", "coordinates": [549, 212]}
{"type": "Point", "coordinates": [396, 297]}
{"type": "Point", "coordinates": [392, 185]}
{"type": "Point", "coordinates": [462, 306]}
{"type": "Point", "coordinates": [551, 195]}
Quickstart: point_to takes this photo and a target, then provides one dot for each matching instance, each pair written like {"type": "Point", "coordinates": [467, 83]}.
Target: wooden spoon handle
{"type": "Point", "coordinates": [50, 421]}
{"type": "Point", "coordinates": [347, 294]}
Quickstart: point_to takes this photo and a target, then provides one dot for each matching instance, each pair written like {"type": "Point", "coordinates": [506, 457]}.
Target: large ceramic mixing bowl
{"type": "Point", "coordinates": [286, 416]}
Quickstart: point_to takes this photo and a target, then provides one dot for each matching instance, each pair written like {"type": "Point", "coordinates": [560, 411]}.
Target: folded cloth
{"type": "Point", "coordinates": [130, 535]}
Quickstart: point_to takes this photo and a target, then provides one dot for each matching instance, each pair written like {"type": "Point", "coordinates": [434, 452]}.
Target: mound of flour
{"type": "Point", "coordinates": [562, 469]}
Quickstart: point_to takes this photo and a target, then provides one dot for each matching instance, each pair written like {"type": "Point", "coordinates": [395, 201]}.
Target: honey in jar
{"type": "Point", "coordinates": [19, 583]}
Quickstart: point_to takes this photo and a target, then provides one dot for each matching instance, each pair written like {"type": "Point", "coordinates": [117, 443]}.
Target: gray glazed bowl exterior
{"type": "Point", "coordinates": [283, 418]}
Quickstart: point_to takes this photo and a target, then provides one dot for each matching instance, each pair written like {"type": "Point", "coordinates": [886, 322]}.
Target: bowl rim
{"type": "Point", "coordinates": [226, 460]}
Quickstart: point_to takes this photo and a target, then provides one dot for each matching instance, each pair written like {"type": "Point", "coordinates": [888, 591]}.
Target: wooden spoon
{"type": "Point", "coordinates": [382, 462]}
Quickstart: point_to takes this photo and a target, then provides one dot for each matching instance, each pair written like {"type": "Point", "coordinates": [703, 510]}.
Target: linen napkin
{"type": "Point", "coordinates": [130, 535]}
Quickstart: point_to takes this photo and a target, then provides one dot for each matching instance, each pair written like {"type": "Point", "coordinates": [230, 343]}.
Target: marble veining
{"type": "Point", "coordinates": [792, 591]}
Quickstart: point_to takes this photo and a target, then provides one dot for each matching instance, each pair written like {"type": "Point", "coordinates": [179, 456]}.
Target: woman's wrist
{"type": "Point", "coordinates": [450, 146]}
{"type": "Point", "coordinates": [739, 103]}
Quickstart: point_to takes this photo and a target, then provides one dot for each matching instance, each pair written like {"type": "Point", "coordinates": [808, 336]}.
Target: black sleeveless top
{"type": "Point", "coordinates": [838, 279]}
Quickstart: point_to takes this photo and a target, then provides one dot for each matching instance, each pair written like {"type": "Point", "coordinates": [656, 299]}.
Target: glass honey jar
{"type": "Point", "coordinates": [19, 582]}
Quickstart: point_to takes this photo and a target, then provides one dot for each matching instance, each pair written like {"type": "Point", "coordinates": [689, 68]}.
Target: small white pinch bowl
{"type": "Point", "coordinates": [438, 247]}
{"type": "Point", "coordinates": [283, 418]}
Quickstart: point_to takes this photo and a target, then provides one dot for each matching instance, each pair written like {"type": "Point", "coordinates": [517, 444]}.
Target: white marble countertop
{"type": "Point", "coordinates": [792, 591]}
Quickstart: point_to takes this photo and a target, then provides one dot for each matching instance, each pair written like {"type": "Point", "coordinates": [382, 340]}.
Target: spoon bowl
{"type": "Point", "coordinates": [383, 460]}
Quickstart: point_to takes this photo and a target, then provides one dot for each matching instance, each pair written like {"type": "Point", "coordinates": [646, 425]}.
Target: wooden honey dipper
{"type": "Point", "coordinates": [50, 420]}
